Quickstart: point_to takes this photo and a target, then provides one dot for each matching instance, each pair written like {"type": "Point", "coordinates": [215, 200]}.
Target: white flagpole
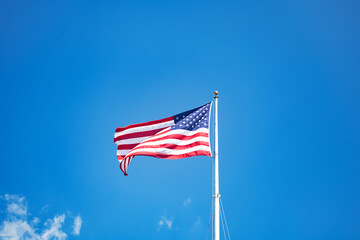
{"type": "Point", "coordinates": [216, 175]}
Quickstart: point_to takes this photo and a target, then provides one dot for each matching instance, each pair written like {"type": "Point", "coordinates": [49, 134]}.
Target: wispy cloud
{"type": "Point", "coordinates": [35, 221]}
{"type": "Point", "coordinates": [16, 205]}
{"type": "Point", "coordinates": [187, 202]}
{"type": "Point", "coordinates": [54, 228]}
{"type": "Point", "coordinates": [167, 222]}
{"type": "Point", "coordinates": [17, 226]}
{"type": "Point", "coordinates": [44, 208]}
{"type": "Point", "coordinates": [77, 225]}
{"type": "Point", "coordinates": [198, 221]}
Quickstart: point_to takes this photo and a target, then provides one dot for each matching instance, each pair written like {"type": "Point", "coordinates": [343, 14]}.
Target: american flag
{"type": "Point", "coordinates": [180, 136]}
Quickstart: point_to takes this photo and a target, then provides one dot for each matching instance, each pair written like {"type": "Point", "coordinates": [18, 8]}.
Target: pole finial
{"type": "Point", "coordinates": [216, 94]}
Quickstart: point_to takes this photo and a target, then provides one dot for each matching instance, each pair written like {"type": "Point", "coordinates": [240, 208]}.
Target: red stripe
{"type": "Point", "coordinates": [138, 134]}
{"type": "Point", "coordinates": [178, 136]}
{"type": "Point", "coordinates": [127, 146]}
{"type": "Point", "coordinates": [166, 156]}
{"type": "Point", "coordinates": [175, 146]}
{"type": "Point", "coordinates": [121, 166]}
{"type": "Point", "coordinates": [119, 129]}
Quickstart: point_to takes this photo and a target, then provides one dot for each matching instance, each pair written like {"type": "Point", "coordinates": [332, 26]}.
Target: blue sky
{"type": "Point", "coordinates": [288, 77]}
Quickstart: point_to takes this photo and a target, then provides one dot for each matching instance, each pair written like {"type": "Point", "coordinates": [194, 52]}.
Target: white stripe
{"type": "Point", "coordinates": [180, 132]}
{"type": "Point", "coordinates": [131, 140]}
{"type": "Point", "coordinates": [145, 128]}
{"type": "Point", "coordinates": [127, 161]}
{"type": "Point", "coordinates": [175, 141]}
{"type": "Point", "coordinates": [122, 163]}
{"type": "Point", "coordinates": [171, 151]}
{"type": "Point", "coordinates": [123, 152]}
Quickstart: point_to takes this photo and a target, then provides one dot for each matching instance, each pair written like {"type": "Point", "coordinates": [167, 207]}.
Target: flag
{"type": "Point", "coordinates": [180, 136]}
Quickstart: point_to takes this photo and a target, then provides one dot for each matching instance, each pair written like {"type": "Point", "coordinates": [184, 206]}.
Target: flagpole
{"type": "Point", "coordinates": [216, 174]}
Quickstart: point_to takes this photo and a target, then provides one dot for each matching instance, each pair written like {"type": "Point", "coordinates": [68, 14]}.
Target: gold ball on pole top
{"type": "Point", "coordinates": [216, 93]}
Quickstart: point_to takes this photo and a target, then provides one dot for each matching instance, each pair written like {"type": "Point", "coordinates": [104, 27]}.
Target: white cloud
{"type": "Point", "coordinates": [168, 222]}
{"type": "Point", "coordinates": [35, 221]}
{"type": "Point", "coordinates": [16, 209]}
{"type": "Point", "coordinates": [187, 202]}
{"type": "Point", "coordinates": [16, 205]}
{"type": "Point", "coordinates": [16, 197]}
{"type": "Point", "coordinates": [54, 228]}
{"type": "Point", "coordinates": [17, 227]}
{"type": "Point", "coordinates": [77, 225]}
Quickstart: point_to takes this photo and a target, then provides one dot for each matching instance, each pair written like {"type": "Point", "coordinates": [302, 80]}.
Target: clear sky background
{"type": "Point", "coordinates": [287, 73]}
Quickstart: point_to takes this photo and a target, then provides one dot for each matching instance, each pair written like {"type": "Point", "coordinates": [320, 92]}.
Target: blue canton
{"type": "Point", "coordinates": [193, 119]}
